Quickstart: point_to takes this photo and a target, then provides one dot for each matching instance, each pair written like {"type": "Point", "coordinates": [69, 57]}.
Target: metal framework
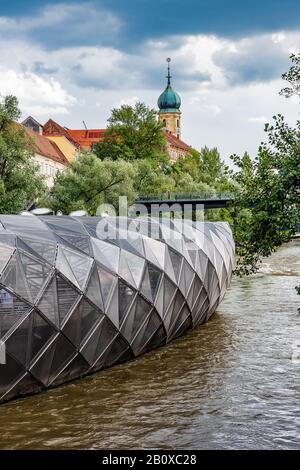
{"type": "Point", "coordinates": [73, 301]}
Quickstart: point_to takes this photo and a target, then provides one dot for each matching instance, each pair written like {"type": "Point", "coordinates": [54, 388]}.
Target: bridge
{"type": "Point", "coordinates": [177, 201]}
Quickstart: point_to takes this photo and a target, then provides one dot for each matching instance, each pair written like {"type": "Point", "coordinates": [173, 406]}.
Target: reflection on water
{"type": "Point", "coordinates": [231, 383]}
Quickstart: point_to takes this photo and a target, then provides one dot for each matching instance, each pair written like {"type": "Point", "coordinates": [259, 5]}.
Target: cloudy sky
{"type": "Point", "coordinates": [75, 60]}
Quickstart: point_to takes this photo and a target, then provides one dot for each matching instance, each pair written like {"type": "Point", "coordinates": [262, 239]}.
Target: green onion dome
{"type": "Point", "coordinates": [169, 101]}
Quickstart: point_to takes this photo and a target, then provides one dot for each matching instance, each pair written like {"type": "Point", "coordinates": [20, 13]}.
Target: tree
{"type": "Point", "coordinates": [152, 178]}
{"type": "Point", "coordinates": [88, 182]}
{"type": "Point", "coordinates": [133, 133]}
{"type": "Point", "coordinates": [292, 77]}
{"type": "Point", "coordinates": [211, 165]}
{"type": "Point", "coordinates": [20, 183]}
{"type": "Point", "coordinates": [268, 203]}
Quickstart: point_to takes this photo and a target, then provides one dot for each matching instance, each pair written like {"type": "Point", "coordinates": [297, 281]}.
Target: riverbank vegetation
{"type": "Point", "coordinates": [20, 183]}
{"type": "Point", "coordinates": [267, 207]}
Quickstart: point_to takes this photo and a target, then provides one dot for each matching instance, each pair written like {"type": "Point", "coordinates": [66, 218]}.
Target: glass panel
{"type": "Point", "coordinates": [145, 288]}
{"type": "Point", "coordinates": [66, 296]}
{"type": "Point", "coordinates": [189, 275]}
{"type": "Point", "coordinates": [169, 291]}
{"type": "Point", "coordinates": [41, 333]}
{"type": "Point", "coordinates": [5, 254]}
{"type": "Point", "coordinates": [142, 338]}
{"type": "Point", "coordinates": [179, 300]}
{"type": "Point", "coordinates": [78, 242]}
{"type": "Point", "coordinates": [107, 334]}
{"type": "Point", "coordinates": [107, 283]}
{"type": "Point", "coordinates": [35, 272]}
{"type": "Point", "coordinates": [25, 385]}
{"type": "Point", "coordinates": [14, 277]}
{"type": "Point", "coordinates": [159, 301]}
{"type": "Point", "coordinates": [126, 295]}
{"type": "Point", "coordinates": [94, 290]}
{"type": "Point", "coordinates": [119, 351]}
{"type": "Point", "coordinates": [17, 343]}
{"type": "Point", "coordinates": [136, 266]}
{"type": "Point", "coordinates": [15, 222]}
{"type": "Point", "coordinates": [124, 270]}
{"type": "Point", "coordinates": [169, 266]}
{"type": "Point", "coordinates": [10, 374]}
{"type": "Point", "coordinates": [154, 276]}
{"type": "Point", "coordinates": [44, 248]}
{"type": "Point", "coordinates": [81, 321]}
{"type": "Point", "coordinates": [113, 308]}
{"type": "Point", "coordinates": [158, 339]}
{"type": "Point", "coordinates": [88, 350]}
{"type": "Point", "coordinates": [12, 310]}
{"type": "Point", "coordinates": [64, 224]}
{"type": "Point", "coordinates": [135, 318]}
{"type": "Point", "coordinates": [79, 264]}
{"type": "Point", "coordinates": [63, 266]}
{"type": "Point", "coordinates": [48, 303]}
{"type": "Point", "coordinates": [155, 251]}
{"type": "Point", "coordinates": [76, 368]}
{"type": "Point", "coordinates": [185, 326]}
{"type": "Point", "coordinates": [106, 254]}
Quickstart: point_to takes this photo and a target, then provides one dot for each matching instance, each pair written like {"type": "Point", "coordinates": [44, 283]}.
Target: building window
{"type": "Point", "coordinates": [164, 123]}
{"type": "Point", "coordinates": [177, 122]}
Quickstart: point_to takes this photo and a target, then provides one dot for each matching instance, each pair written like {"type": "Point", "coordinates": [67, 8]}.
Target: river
{"type": "Point", "coordinates": [233, 383]}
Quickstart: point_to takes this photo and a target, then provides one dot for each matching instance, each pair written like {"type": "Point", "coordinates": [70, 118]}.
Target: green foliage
{"type": "Point", "coordinates": [88, 182]}
{"type": "Point", "coordinates": [292, 77]}
{"type": "Point", "coordinates": [152, 178]}
{"type": "Point", "coordinates": [20, 183]}
{"type": "Point", "coordinates": [133, 133]}
{"type": "Point", "coordinates": [202, 172]}
{"type": "Point", "coordinates": [268, 208]}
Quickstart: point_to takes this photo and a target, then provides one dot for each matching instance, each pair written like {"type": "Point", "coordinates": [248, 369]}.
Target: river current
{"type": "Point", "coordinates": [233, 383]}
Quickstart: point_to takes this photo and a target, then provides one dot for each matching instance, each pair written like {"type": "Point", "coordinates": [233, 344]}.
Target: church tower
{"type": "Point", "coordinates": [169, 103]}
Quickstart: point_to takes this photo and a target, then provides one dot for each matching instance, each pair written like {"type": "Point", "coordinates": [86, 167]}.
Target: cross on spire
{"type": "Point", "coordinates": [168, 76]}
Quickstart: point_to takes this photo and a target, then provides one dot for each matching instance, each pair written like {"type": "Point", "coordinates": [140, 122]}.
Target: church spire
{"type": "Point", "coordinates": [169, 76]}
{"type": "Point", "coordinates": [169, 107]}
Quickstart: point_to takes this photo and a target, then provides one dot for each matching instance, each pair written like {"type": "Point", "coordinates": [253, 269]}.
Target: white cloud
{"type": "Point", "coordinates": [36, 95]}
{"type": "Point", "coordinates": [259, 119]}
{"type": "Point", "coordinates": [226, 85]}
{"type": "Point", "coordinates": [130, 100]}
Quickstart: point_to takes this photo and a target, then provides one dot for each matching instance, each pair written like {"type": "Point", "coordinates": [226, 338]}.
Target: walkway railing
{"type": "Point", "coordinates": [186, 196]}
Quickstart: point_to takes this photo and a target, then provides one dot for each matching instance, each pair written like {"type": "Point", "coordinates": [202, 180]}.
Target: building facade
{"type": "Point", "coordinates": [47, 156]}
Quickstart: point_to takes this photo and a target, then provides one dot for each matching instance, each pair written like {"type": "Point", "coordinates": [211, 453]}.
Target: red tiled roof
{"type": "Point", "coordinates": [83, 138]}
{"type": "Point", "coordinates": [46, 147]}
{"type": "Point", "coordinates": [52, 128]}
{"type": "Point", "coordinates": [86, 137]}
{"type": "Point", "coordinates": [176, 142]}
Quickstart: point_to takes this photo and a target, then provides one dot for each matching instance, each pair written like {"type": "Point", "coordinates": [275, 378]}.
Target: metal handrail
{"type": "Point", "coordinates": [185, 196]}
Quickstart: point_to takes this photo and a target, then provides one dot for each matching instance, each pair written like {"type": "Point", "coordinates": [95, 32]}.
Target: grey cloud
{"type": "Point", "coordinates": [252, 60]}
{"type": "Point", "coordinates": [42, 69]}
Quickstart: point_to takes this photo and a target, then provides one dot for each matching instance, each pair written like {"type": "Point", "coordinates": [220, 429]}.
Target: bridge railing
{"type": "Point", "coordinates": [185, 196]}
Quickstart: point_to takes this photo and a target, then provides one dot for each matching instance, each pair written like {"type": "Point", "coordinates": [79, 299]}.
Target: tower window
{"type": "Point", "coordinates": [164, 123]}
{"type": "Point", "coordinates": [177, 122]}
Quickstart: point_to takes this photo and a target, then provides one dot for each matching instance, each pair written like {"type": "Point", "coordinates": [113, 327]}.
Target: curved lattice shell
{"type": "Point", "coordinates": [80, 294]}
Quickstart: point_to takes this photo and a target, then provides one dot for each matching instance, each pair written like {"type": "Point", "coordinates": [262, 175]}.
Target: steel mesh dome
{"type": "Point", "coordinates": [73, 301]}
